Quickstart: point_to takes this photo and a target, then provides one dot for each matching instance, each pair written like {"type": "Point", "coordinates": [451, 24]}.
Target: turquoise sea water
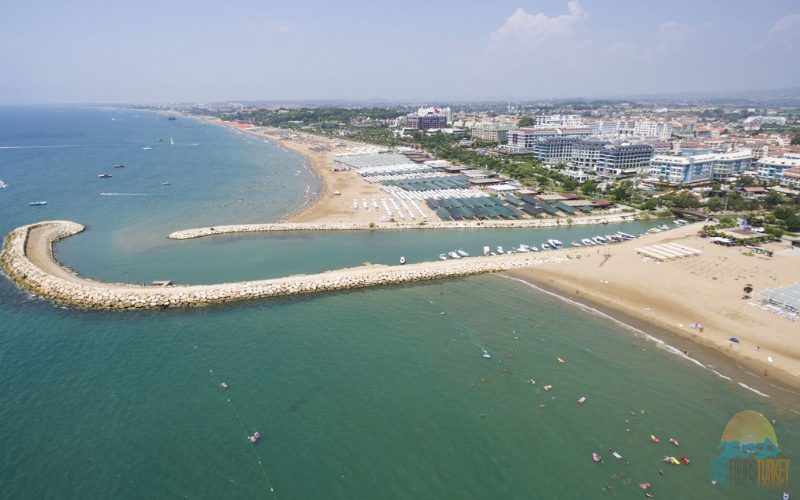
{"type": "Point", "coordinates": [355, 395]}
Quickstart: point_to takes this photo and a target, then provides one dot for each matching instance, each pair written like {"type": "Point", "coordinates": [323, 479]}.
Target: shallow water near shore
{"type": "Point", "coordinates": [355, 395]}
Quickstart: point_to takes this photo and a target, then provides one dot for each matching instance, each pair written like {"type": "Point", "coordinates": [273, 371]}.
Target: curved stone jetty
{"type": "Point", "coordinates": [186, 234]}
{"type": "Point", "coordinates": [28, 260]}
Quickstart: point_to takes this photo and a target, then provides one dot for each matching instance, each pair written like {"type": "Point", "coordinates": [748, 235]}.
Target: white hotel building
{"type": "Point", "coordinates": [774, 168]}
{"type": "Point", "coordinates": [523, 140]}
{"type": "Point", "coordinates": [700, 168]}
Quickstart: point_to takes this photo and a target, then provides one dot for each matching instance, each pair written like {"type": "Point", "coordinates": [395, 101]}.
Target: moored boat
{"type": "Point", "coordinates": [402, 260]}
{"type": "Point", "coordinates": [486, 250]}
{"type": "Point", "coordinates": [587, 242]}
{"type": "Point", "coordinates": [626, 236]}
{"type": "Point", "coordinates": [104, 176]}
{"type": "Point", "coordinates": [37, 203]}
{"type": "Point", "coordinates": [524, 249]}
{"type": "Point", "coordinates": [545, 246]}
{"type": "Point", "coordinates": [500, 250]}
{"type": "Point", "coordinates": [454, 255]}
{"type": "Point", "coordinates": [576, 244]}
{"type": "Point", "coordinates": [663, 227]}
{"type": "Point", "coordinates": [555, 244]}
{"type": "Point", "coordinates": [462, 253]}
{"type": "Point", "coordinates": [120, 165]}
{"type": "Point", "coordinates": [442, 256]}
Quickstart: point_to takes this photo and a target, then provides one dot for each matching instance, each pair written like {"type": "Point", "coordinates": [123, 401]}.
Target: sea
{"type": "Point", "coordinates": [371, 393]}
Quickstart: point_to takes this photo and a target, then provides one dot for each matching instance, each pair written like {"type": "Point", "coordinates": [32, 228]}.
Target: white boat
{"type": "Point", "coordinates": [442, 256]}
{"type": "Point", "coordinates": [37, 203]}
{"type": "Point", "coordinates": [524, 249]}
{"type": "Point", "coordinates": [165, 183]}
{"type": "Point", "coordinates": [402, 260]}
{"type": "Point", "coordinates": [555, 244]}
{"type": "Point", "coordinates": [545, 246]}
{"type": "Point", "coordinates": [462, 253]}
{"type": "Point", "coordinates": [575, 243]}
{"type": "Point", "coordinates": [611, 238]}
{"type": "Point", "coordinates": [626, 236]}
{"type": "Point", "coordinates": [486, 250]}
{"type": "Point", "coordinates": [533, 248]}
{"type": "Point", "coordinates": [600, 240]}
{"type": "Point", "coordinates": [171, 142]}
{"type": "Point", "coordinates": [587, 242]}
{"type": "Point", "coordinates": [104, 176]}
{"type": "Point", "coordinates": [486, 354]}
{"type": "Point", "coordinates": [147, 147]}
{"type": "Point", "coordinates": [677, 222]}
{"type": "Point", "coordinates": [3, 185]}
{"type": "Point", "coordinates": [454, 255]}
{"type": "Point", "coordinates": [500, 250]}
{"type": "Point", "coordinates": [654, 230]}
{"type": "Point", "coordinates": [663, 227]}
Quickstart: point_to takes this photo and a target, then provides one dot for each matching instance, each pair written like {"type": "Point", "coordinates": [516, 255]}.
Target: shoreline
{"type": "Point", "coordinates": [781, 387]}
{"type": "Point", "coordinates": [706, 290]}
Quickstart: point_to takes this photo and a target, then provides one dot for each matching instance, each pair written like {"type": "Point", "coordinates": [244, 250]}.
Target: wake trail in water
{"type": "Point", "coordinates": [659, 343]}
{"type": "Point", "coordinates": [124, 194]}
{"type": "Point", "coordinates": [45, 147]}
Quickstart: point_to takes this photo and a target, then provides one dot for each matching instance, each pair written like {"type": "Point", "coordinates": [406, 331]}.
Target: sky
{"type": "Point", "coordinates": [88, 51]}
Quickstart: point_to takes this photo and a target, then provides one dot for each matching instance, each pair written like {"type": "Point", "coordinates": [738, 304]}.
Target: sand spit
{"type": "Point", "coordinates": [28, 260]}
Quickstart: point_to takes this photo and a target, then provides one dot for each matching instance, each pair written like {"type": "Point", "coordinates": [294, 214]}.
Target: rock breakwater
{"type": "Point", "coordinates": [186, 234]}
{"type": "Point", "coordinates": [28, 260]}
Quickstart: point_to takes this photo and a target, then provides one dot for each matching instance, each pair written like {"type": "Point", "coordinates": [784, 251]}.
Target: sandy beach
{"type": "Point", "coordinates": [705, 290]}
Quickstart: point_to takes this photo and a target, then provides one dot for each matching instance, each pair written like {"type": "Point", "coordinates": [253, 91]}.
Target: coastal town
{"type": "Point", "coordinates": [360, 250]}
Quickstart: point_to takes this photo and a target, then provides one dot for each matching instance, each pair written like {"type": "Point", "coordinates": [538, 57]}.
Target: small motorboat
{"type": "Point", "coordinates": [454, 255]}
{"type": "Point", "coordinates": [402, 260]}
{"type": "Point", "coordinates": [644, 486]}
{"type": "Point", "coordinates": [555, 244]}
{"type": "Point", "coordinates": [545, 246]}
{"type": "Point", "coordinates": [486, 355]}
{"type": "Point", "coordinates": [147, 148]}
{"type": "Point", "coordinates": [104, 176]}
{"type": "Point", "coordinates": [486, 250]}
{"type": "Point", "coordinates": [684, 460]}
{"type": "Point", "coordinates": [120, 165]}
{"type": "Point", "coordinates": [548, 387]}
{"type": "Point", "coordinates": [582, 400]}
{"type": "Point", "coordinates": [600, 240]}
{"type": "Point", "coordinates": [576, 244]}
{"type": "Point", "coordinates": [595, 457]}
{"type": "Point", "coordinates": [442, 256]}
{"type": "Point", "coordinates": [674, 461]}
{"type": "Point", "coordinates": [462, 253]}
{"type": "Point", "coordinates": [37, 203]}
{"type": "Point", "coordinates": [587, 242]}
{"type": "Point", "coordinates": [674, 442]}
{"type": "Point", "coordinates": [524, 249]}
{"type": "Point", "coordinates": [255, 437]}
{"type": "Point", "coordinates": [500, 251]}
{"type": "Point", "coordinates": [663, 227]}
{"type": "Point", "coordinates": [617, 455]}
{"type": "Point", "coordinates": [626, 236]}
{"type": "Point", "coordinates": [654, 439]}
{"type": "Point", "coordinates": [165, 183]}
{"type": "Point", "coordinates": [533, 248]}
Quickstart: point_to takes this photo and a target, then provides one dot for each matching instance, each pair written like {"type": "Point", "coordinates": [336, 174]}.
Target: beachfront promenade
{"type": "Point", "coordinates": [28, 260]}
{"type": "Point", "coordinates": [186, 234]}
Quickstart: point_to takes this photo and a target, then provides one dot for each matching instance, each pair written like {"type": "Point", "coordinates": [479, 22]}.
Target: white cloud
{"type": "Point", "coordinates": [786, 23]}
{"type": "Point", "coordinates": [784, 35]}
{"type": "Point", "coordinates": [527, 31]}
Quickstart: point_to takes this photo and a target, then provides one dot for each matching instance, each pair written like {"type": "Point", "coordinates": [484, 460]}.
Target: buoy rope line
{"type": "Point", "coordinates": [241, 424]}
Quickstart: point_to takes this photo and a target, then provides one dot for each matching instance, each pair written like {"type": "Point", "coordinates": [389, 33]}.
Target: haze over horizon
{"type": "Point", "coordinates": [507, 50]}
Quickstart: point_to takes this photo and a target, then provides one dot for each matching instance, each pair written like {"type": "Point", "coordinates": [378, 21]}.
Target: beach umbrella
{"type": "Point", "coordinates": [734, 339]}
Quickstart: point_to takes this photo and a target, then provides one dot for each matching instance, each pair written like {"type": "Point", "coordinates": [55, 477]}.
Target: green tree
{"type": "Point", "coordinates": [526, 121]}
{"type": "Point", "coordinates": [784, 213]}
{"type": "Point", "coordinates": [714, 203]}
{"type": "Point", "coordinates": [589, 187]}
{"type": "Point", "coordinates": [570, 184]}
{"type": "Point", "coordinates": [772, 200]}
{"type": "Point", "coordinates": [796, 140]}
{"type": "Point", "coordinates": [793, 224]}
{"type": "Point", "coordinates": [727, 221]}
